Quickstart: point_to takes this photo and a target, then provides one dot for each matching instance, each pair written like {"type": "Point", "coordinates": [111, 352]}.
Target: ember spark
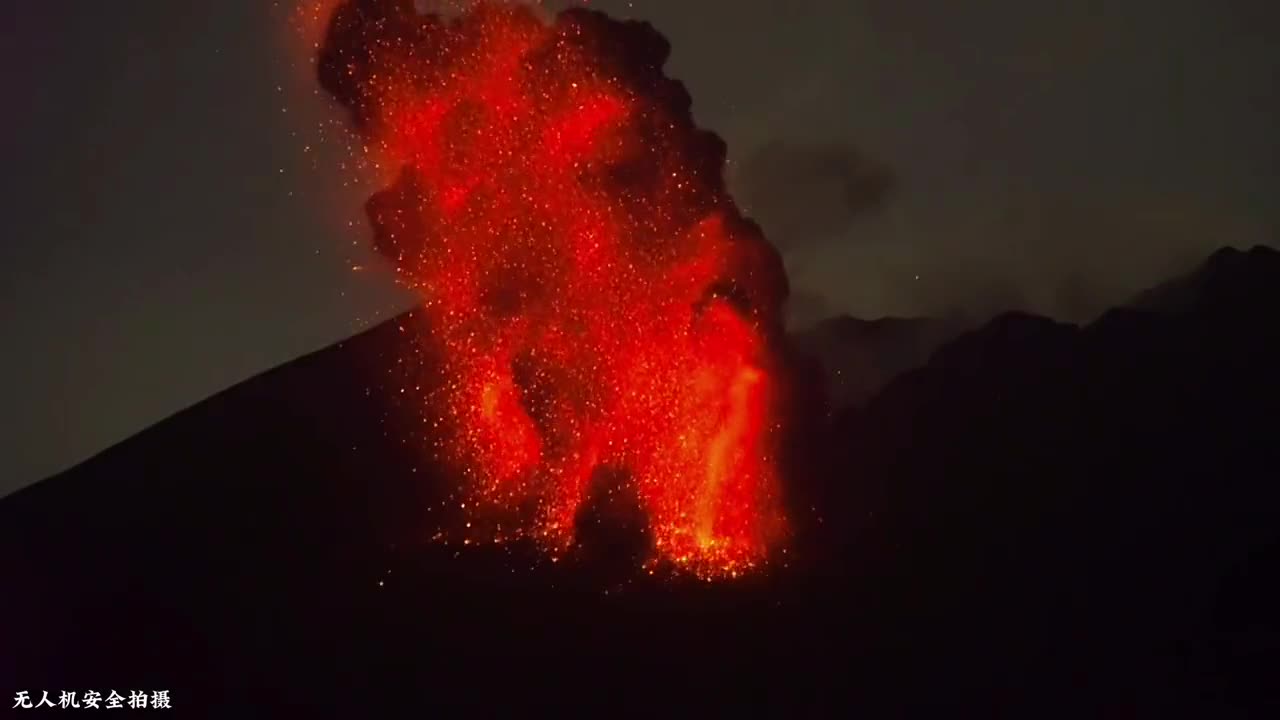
{"type": "Point", "coordinates": [599, 302]}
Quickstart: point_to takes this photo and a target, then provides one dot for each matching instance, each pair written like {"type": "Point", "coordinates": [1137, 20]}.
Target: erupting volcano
{"type": "Point", "coordinates": [600, 306]}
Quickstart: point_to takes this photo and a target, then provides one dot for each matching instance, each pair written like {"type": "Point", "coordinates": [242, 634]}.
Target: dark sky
{"type": "Point", "coordinates": [167, 233]}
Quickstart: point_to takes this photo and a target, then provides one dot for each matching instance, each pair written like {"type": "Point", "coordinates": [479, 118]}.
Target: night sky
{"type": "Point", "coordinates": [173, 223]}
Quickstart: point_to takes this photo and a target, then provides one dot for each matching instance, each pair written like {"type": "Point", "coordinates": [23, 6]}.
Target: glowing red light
{"type": "Point", "coordinates": [599, 299]}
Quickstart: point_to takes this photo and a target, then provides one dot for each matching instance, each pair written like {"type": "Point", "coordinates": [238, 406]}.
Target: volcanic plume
{"type": "Point", "coordinates": [601, 307]}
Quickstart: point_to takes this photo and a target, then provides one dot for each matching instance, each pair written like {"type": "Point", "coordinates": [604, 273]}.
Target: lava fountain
{"type": "Point", "coordinates": [598, 301]}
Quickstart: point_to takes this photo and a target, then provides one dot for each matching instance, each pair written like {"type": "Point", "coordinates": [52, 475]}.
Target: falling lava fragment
{"type": "Point", "coordinates": [599, 302]}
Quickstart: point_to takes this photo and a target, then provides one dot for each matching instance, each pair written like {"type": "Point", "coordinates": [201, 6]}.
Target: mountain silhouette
{"type": "Point", "coordinates": [859, 357]}
{"type": "Point", "coordinates": [1099, 502]}
{"type": "Point", "coordinates": [1228, 276]}
{"type": "Point", "coordinates": [1035, 519]}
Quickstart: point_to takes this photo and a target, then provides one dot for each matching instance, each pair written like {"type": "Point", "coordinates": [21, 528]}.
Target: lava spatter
{"type": "Point", "coordinates": [599, 302]}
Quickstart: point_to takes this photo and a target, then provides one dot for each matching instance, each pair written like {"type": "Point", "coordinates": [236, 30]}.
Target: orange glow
{"type": "Point", "coordinates": [599, 299]}
{"type": "Point", "coordinates": [310, 18]}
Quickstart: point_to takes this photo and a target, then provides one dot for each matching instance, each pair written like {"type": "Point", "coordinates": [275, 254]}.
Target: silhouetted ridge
{"type": "Point", "coordinates": [1007, 339]}
{"type": "Point", "coordinates": [1229, 277]}
{"type": "Point", "coordinates": [859, 356]}
{"type": "Point", "coordinates": [1091, 497]}
{"type": "Point", "coordinates": [1041, 520]}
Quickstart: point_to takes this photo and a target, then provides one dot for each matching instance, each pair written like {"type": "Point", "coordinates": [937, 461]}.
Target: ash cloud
{"type": "Point", "coordinates": [804, 194]}
{"type": "Point", "coordinates": [356, 53]}
{"type": "Point", "coordinates": [1054, 254]}
{"type": "Point", "coordinates": [580, 259]}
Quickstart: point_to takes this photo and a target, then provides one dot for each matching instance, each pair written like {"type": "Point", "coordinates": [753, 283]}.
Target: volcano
{"type": "Point", "coordinates": [1042, 520]}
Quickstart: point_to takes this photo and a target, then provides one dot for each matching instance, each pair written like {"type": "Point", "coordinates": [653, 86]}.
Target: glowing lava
{"type": "Point", "coordinates": [600, 301]}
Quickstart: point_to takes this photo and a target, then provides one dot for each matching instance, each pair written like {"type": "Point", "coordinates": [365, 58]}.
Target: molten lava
{"type": "Point", "coordinates": [599, 301]}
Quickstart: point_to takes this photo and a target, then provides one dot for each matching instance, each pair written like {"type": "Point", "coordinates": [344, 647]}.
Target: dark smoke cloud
{"type": "Point", "coordinates": [803, 194]}
{"type": "Point", "coordinates": [613, 537]}
{"type": "Point", "coordinates": [1048, 253]}
{"type": "Point", "coordinates": [567, 220]}
{"type": "Point", "coordinates": [365, 40]}
{"type": "Point", "coordinates": [806, 307]}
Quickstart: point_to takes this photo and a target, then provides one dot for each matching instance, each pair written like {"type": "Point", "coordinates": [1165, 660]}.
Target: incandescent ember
{"type": "Point", "coordinates": [599, 302]}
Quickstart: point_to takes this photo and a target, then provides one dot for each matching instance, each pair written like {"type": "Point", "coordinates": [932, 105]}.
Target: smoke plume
{"type": "Point", "coordinates": [599, 302]}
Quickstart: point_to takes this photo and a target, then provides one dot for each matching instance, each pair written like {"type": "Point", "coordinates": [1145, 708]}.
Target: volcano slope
{"type": "Point", "coordinates": [1043, 520]}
